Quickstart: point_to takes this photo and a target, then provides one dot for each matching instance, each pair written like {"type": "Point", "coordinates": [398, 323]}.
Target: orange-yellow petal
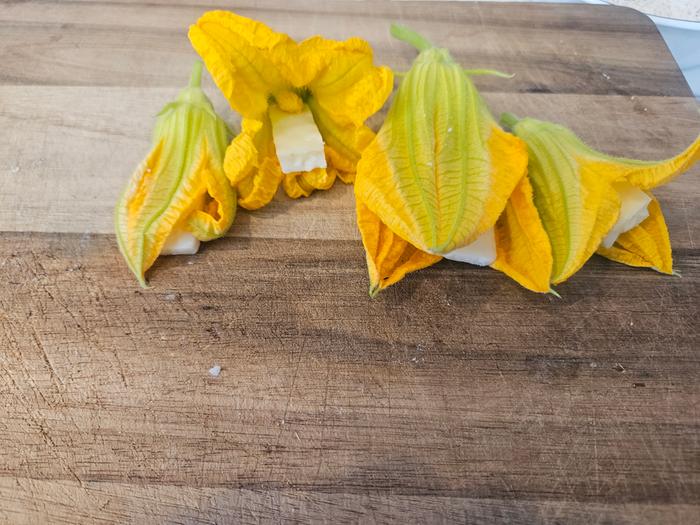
{"type": "Point", "coordinates": [251, 164]}
{"type": "Point", "coordinates": [217, 210]}
{"type": "Point", "coordinates": [647, 245]}
{"type": "Point", "coordinates": [302, 184]}
{"type": "Point", "coordinates": [648, 174]}
{"type": "Point", "coordinates": [522, 246]}
{"type": "Point", "coordinates": [344, 143]}
{"type": "Point", "coordinates": [341, 167]}
{"type": "Point", "coordinates": [389, 257]}
{"type": "Point", "coordinates": [508, 158]}
{"type": "Point", "coordinates": [260, 188]}
{"type": "Point", "coordinates": [244, 57]}
{"type": "Point", "coordinates": [342, 77]}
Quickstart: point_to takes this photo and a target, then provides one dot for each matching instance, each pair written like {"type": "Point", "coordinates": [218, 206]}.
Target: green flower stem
{"type": "Point", "coordinates": [196, 75]}
{"type": "Point", "coordinates": [492, 72]}
{"type": "Point", "coordinates": [409, 36]}
{"type": "Point", "coordinates": [509, 120]}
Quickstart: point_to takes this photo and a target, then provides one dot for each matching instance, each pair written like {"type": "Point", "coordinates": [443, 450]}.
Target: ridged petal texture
{"type": "Point", "coordinates": [179, 186]}
{"type": "Point", "coordinates": [251, 165]}
{"type": "Point", "coordinates": [440, 170]}
{"type": "Point", "coordinates": [255, 67]}
{"type": "Point", "coordinates": [646, 246]}
{"type": "Point", "coordinates": [389, 257]}
{"type": "Point", "coordinates": [522, 246]}
{"type": "Point", "coordinates": [440, 174]}
{"type": "Point", "coordinates": [576, 197]}
{"type": "Point", "coordinates": [245, 58]}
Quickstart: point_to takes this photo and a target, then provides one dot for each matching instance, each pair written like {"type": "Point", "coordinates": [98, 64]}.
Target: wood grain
{"type": "Point", "coordinates": [556, 51]}
{"type": "Point", "coordinates": [107, 502]}
{"type": "Point", "coordinates": [455, 396]}
{"type": "Point", "coordinates": [48, 142]}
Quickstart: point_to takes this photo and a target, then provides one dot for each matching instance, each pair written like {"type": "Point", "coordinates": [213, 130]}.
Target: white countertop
{"type": "Point", "coordinates": [679, 9]}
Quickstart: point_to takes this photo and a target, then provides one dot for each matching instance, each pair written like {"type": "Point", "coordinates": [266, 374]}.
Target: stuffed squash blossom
{"type": "Point", "coordinates": [303, 104]}
{"type": "Point", "coordinates": [442, 179]}
{"type": "Point", "coordinates": [590, 202]}
{"type": "Point", "coordinates": [178, 196]}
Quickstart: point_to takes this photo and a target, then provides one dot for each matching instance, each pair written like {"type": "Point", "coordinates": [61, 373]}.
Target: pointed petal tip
{"type": "Point", "coordinates": [553, 292]}
{"type": "Point", "coordinates": [142, 282]}
{"type": "Point", "coordinates": [374, 290]}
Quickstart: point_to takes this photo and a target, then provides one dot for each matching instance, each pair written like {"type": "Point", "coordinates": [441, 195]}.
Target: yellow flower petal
{"type": "Point", "coordinates": [647, 245]}
{"type": "Point", "coordinates": [295, 187]}
{"type": "Point", "coordinates": [342, 77]}
{"type": "Point", "coordinates": [251, 164]}
{"type": "Point", "coordinates": [647, 174]}
{"type": "Point", "coordinates": [522, 246]}
{"type": "Point", "coordinates": [508, 157]}
{"type": "Point", "coordinates": [302, 184]}
{"type": "Point", "coordinates": [342, 167]}
{"type": "Point", "coordinates": [344, 143]}
{"type": "Point", "coordinates": [259, 189]}
{"type": "Point", "coordinates": [218, 205]}
{"type": "Point", "coordinates": [255, 67]}
{"type": "Point", "coordinates": [389, 257]}
{"type": "Point", "coordinates": [244, 57]}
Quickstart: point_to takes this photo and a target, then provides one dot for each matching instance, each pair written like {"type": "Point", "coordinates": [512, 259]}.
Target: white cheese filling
{"type": "Point", "coordinates": [481, 252]}
{"type": "Point", "coordinates": [180, 242]}
{"type": "Point", "coordinates": [633, 210]}
{"type": "Point", "coordinates": [297, 140]}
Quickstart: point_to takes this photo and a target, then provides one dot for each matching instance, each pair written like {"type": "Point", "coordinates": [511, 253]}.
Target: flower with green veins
{"type": "Point", "coordinates": [303, 104]}
{"type": "Point", "coordinates": [442, 179]}
{"type": "Point", "coordinates": [179, 195]}
{"type": "Point", "coordinates": [591, 202]}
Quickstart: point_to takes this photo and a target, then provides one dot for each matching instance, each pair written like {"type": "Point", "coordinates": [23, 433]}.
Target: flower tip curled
{"type": "Point", "coordinates": [606, 207]}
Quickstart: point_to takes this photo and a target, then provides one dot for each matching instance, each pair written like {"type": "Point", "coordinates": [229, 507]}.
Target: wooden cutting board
{"type": "Point", "coordinates": [454, 396]}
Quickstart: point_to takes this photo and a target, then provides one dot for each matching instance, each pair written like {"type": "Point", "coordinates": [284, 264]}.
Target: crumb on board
{"type": "Point", "coordinates": [215, 370]}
